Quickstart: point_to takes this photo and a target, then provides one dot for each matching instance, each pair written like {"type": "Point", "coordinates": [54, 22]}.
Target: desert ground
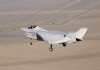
{"type": "Point", "coordinates": [16, 53]}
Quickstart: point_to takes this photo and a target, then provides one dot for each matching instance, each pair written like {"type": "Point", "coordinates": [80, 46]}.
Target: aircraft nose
{"type": "Point", "coordinates": [24, 29]}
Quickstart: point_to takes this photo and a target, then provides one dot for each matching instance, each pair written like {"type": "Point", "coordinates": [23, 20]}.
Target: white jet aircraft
{"type": "Point", "coordinates": [54, 37]}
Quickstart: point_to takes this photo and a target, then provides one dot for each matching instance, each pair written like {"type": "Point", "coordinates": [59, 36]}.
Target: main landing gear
{"type": "Point", "coordinates": [31, 41]}
{"type": "Point", "coordinates": [64, 45]}
{"type": "Point", "coordinates": [51, 49]}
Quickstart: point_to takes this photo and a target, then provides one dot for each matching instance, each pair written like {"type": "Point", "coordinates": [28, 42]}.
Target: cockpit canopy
{"type": "Point", "coordinates": [31, 27]}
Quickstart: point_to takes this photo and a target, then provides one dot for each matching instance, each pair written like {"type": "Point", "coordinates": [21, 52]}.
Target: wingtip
{"type": "Point", "coordinates": [84, 28]}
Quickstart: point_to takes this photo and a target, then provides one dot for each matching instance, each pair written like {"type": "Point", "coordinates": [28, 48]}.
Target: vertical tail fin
{"type": "Point", "coordinates": [80, 33]}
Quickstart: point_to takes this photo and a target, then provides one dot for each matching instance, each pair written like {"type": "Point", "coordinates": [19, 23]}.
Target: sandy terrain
{"type": "Point", "coordinates": [64, 15]}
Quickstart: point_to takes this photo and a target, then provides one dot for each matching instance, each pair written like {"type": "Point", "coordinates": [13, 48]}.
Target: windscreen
{"type": "Point", "coordinates": [31, 27]}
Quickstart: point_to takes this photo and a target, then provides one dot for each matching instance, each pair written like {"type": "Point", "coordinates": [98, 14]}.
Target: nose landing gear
{"type": "Point", "coordinates": [51, 49]}
{"type": "Point", "coordinates": [31, 41]}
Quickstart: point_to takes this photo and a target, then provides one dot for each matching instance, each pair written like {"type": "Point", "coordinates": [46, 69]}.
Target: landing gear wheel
{"type": "Point", "coordinates": [50, 49]}
{"type": "Point", "coordinates": [64, 45]}
{"type": "Point", "coordinates": [30, 43]}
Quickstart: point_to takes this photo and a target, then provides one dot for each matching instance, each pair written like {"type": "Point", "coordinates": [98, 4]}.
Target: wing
{"type": "Point", "coordinates": [53, 38]}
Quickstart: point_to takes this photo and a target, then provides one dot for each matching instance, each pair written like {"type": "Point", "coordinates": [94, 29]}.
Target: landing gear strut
{"type": "Point", "coordinates": [64, 45]}
{"type": "Point", "coordinates": [51, 49]}
{"type": "Point", "coordinates": [31, 41]}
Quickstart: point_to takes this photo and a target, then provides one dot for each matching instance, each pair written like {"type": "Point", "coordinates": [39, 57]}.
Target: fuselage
{"type": "Point", "coordinates": [31, 32]}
